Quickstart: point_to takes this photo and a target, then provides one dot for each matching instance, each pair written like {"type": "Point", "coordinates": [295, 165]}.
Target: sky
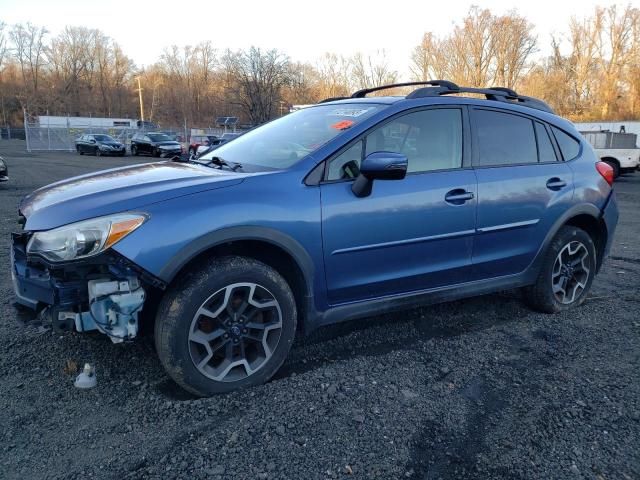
{"type": "Point", "coordinates": [302, 30]}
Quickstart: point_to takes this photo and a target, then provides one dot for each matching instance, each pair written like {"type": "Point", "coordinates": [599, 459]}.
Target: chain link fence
{"type": "Point", "coordinates": [11, 133]}
{"type": "Point", "coordinates": [63, 138]}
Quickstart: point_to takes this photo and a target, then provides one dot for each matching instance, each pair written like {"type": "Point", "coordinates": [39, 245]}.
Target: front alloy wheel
{"type": "Point", "coordinates": [225, 325]}
{"type": "Point", "coordinates": [235, 332]}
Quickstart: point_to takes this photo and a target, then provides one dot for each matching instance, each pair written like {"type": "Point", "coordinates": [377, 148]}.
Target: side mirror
{"type": "Point", "coordinates": [93, 140]}
{"type": "Point", "coordinates": [379, 166]}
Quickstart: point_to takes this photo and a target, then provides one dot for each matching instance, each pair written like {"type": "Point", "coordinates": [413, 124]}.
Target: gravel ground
{"type": "Point", "coordinates": [482, 388]}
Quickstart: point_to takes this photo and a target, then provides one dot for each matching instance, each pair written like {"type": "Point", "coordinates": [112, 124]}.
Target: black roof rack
{"type": "Point", "coordinates": [332, 99]}
{"type": "Point", "coordinates": [499, 94]}
{"type": "Point", "coordinates": [437, 88]}
{"type": "Point", "coordinates": [435, 83]}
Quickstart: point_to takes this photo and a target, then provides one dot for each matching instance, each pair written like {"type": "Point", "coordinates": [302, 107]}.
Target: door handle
{"type": "Point", "coordinates": [556, 183]}
{"type": "Point", "coordinates": [458, 196]}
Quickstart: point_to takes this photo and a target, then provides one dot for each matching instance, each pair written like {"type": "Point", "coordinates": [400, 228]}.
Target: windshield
{"type": "Point", "coordinates": [159, 137]}
{"type": "Point", "coordinates": [282, 142]}
{"type": "Point", "coordinates": [103, 138]}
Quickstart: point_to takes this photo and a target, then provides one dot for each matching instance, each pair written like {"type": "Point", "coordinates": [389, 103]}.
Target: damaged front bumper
{"type": "Point", "coordinates": [105, 293]}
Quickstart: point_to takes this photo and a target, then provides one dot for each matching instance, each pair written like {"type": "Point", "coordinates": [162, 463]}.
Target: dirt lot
{"type": "Point", "coordinates": [482, 388]}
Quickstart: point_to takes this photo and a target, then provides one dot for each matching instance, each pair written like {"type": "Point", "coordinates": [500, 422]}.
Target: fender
{"type": "Point", "coordinates": [581, 209]}
{"type": "Point", "coordinates": [225, 235]}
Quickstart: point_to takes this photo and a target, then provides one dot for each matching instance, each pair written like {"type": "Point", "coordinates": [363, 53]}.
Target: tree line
{"type": "Point", "coordinates": [592, 71]}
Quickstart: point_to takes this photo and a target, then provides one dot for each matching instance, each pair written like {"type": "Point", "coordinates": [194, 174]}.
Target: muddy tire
{"type": "Point", "coordinates": [225, 325]}
{"type": "Point", "coordinates": [567, 272]}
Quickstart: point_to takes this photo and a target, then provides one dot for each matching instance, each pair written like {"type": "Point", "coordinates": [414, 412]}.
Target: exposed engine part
{"type": "Point", "coordinates": [113, 308]}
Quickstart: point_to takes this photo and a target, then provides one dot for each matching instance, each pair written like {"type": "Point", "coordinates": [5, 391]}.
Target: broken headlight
{"type": "Point", "coordinates": [83, 239]}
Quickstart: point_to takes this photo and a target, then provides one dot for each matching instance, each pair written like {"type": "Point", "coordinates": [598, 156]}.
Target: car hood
{"type": "Point", "coordinates": [117, 190]}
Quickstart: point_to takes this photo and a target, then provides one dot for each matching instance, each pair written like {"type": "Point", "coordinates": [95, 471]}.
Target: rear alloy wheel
{"type": "Point", "coordinates": [570, 272]}
{"type": "Point", "coordinates": [227, 325]}
{"type": "Point", "coordinates": [567, 272]}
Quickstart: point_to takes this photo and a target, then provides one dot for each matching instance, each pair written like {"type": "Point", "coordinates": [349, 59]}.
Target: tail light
{"type": "Point", "coordinates": [606, 171]}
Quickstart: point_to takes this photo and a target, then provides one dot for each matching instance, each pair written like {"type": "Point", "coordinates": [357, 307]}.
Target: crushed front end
{"type": "Point", "coordinates": [104, 292]}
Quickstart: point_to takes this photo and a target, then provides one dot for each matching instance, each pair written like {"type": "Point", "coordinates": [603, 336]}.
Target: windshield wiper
{"type": "Point", "coordinates": [221, 162]}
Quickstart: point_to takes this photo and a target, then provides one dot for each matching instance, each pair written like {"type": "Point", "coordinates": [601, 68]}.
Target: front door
{"type": "Point", "coordinates": [407, 235]}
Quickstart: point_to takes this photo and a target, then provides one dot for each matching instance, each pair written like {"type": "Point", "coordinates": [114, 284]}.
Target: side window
{"type": "Point", "coordinates": [504, 139]}
{"type": "Point", "coordinates": [569, 146]}
{"type": "Point", "coordinates": [431, 139]}
{"type": "Point", "coordinates": [146, 138]}
{"type": "Point", "coordinates": [546, 153]}
{"type": "Point", "coordinates": [347, 164]}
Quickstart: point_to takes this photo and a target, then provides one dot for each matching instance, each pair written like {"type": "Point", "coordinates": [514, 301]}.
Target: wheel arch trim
{"type": "Point", "coordinates": [581, 209]}
{"type": "Point", "coordinates": [236, 234]}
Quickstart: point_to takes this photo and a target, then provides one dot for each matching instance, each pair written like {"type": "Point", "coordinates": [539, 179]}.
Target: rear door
{"type": "Point", "coordinates": [523, 188]}
{"type": "Point", "coordinates": [410, 234]}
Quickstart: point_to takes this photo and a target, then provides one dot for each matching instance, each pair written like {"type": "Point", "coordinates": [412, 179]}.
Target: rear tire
{"type": "Point", "coordinates": [567, 272]}
{"type": "Point", "coordinates": [79, 151]}
{"type": "Point", "coordinates": [226, 325]}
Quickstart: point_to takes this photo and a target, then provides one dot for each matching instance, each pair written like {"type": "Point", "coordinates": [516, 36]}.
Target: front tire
{"type": "Point", "coordinates": [567, 272]}
{"type": "Point", "coordinates": [134, 151]}
{"type": "Point", "coordinates": [226, 325]}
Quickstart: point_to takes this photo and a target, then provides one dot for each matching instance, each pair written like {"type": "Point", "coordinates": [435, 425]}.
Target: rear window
{"type": "Point", "coordinates": [569, 146]}
{"type": "Point", "coordinates": [545, 147]}
{"type": "Point", "coordinates": [504, 139]}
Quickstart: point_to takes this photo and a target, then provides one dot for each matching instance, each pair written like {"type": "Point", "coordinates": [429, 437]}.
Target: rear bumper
{"type": "Point", "coordinates": [610, 217]}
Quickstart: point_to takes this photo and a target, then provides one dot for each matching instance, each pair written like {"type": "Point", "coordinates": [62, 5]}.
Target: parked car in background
{"type": "Point", "coordinates": [99, 144]}
{"type": "Point", "coordinates": [618, 149]}
{"type": "Point", "coordinates": [154, 144]}
{"type": "Point", "coordinates": [216, 142]}
{"type": "Point", "coordinates": [4, 170]}
{"type": "Point", "coordinates": [341, 210]}
{"type": "Point", "coordinates": [197, 141]}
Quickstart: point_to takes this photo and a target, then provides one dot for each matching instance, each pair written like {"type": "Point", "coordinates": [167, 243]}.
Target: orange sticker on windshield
{"type": "Point", "coordinates": [342, 125]}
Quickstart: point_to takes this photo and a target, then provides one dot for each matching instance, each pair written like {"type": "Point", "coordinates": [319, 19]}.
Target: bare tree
{"type": "Point", "coordinates": [258, 78]}
{"type": "Point", "coordinates": [372, 71]}
{"type": "Point", "coordinates": [29, 51]}
{"type": "Point", "coordinates": [428, 61]}
{"type": "Point", "coordinates": [513, 44]}
{"type": "Point", "coordinates": [333, 75]}
{"type": "Point", "coordinates": [3, 44]}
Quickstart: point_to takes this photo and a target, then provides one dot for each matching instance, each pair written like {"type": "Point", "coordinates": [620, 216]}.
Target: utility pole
{"type": "Point", "coordinates": [140, 97]}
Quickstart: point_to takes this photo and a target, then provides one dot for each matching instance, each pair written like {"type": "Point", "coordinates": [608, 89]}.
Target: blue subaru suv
{"type": "Point", "coordinates": [352, 207]}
